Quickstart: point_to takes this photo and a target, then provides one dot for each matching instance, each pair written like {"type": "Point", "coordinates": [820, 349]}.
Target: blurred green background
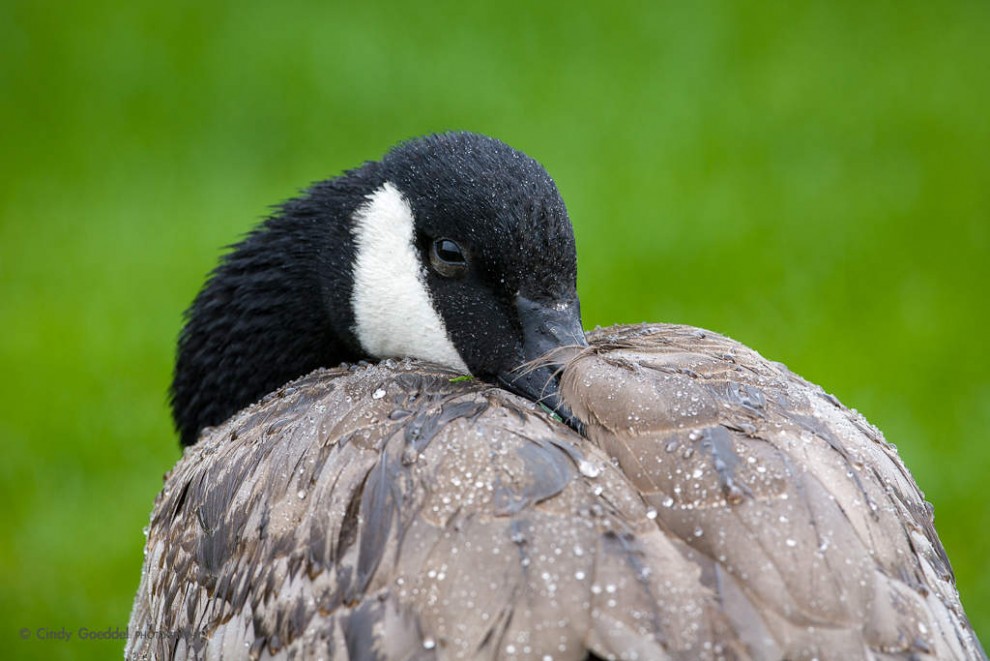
{"type": "Point", "coordinates": [813, 180]}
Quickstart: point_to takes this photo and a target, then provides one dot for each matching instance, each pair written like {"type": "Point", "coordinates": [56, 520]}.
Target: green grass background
{"type": "Point", "coordinates": [813, 180]}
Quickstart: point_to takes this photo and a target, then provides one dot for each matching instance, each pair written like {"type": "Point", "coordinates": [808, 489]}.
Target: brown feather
{"type": "Point", "coordinates": [808, 526]}
{"type": "Point", "coordinates": [721, 507]}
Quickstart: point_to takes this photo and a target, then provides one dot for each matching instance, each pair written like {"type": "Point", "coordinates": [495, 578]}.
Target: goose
{"type": "Point", "coordinates": [399, 443]}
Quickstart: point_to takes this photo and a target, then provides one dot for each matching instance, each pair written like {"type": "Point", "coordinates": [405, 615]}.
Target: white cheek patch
{"type": "Point", "coordinates": [392, 308]}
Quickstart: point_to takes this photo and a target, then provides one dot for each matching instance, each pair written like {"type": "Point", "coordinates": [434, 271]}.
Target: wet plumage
{"type": "Point", "coordinates": [388, 512]}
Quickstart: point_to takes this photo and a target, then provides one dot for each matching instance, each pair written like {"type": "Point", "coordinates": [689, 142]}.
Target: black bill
{"type": "Point", "coordinates": [551, 334]}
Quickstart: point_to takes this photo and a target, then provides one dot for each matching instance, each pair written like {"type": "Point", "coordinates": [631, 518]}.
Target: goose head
{"type": "Point", "coordinates": [453, 248]}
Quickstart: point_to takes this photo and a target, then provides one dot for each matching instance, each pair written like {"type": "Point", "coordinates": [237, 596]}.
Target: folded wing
{"type": "Point", "coordinates": [802, 519]}
{"type": "Point", "coordinates": [388, 512]}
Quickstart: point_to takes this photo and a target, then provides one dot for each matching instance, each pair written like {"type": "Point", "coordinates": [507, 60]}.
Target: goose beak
{"type": "Point", "coordinates": [552, 335]}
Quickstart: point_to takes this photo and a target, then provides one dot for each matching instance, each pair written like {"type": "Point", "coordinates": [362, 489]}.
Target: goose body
{"type": "Point", "coordinates": [702, 502]}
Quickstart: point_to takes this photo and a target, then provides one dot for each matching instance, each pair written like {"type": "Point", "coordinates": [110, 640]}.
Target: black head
{"type": "Point", "coordinates": [454, 248]}
{"type": "Point", "coordinates": [495, 246]}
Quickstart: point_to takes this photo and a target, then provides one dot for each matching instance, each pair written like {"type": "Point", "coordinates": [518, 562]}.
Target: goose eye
{"type": "Point", "coordinates": [447, 258]}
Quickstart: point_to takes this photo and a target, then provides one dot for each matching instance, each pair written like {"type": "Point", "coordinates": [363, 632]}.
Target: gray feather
{"type": "Point", "coordinates": [720, 507]}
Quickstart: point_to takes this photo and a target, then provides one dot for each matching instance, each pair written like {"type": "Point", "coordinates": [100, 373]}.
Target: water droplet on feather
{"type": "Point", "coordinates": [589, 469]}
